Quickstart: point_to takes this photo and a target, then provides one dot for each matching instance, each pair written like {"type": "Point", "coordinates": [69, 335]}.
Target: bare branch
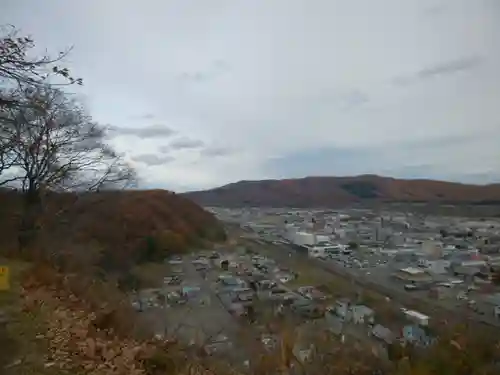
{"type": "Point", "coordinates": [18, 68]}
{"type": "Point", "coordinates": [49, 143]}
{"type": "Point", "coordinates": [55, 145]}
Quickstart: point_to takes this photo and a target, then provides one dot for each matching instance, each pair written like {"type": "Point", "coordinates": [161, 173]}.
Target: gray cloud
{"type": "Point", "coordinates": [443, 68]}
{"type": "Point", "coordinates": [145, 116]}
{"type": "Point", "coordinates": [450, 67]}
{"type": "Point", "coordinates": [213, 71]}
{"type": "Point", "coordinates": [152, 159]}
{"type": "Point", "coordinates": [146, 131]}
{"type": "Point", "coordinates": [215, 152]}
{"type": "Point", "coordinates": [352, 99]}
{"type": "Point", "coordinates": [185, 143]}
{"type": "Point", "coordinates": [416, 159]}
{"type": "Point", "coordinates": [165, 149]}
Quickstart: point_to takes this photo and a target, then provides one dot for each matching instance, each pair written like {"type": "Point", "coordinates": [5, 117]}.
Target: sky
{"type": "Point", "coordinates": [200, 93]}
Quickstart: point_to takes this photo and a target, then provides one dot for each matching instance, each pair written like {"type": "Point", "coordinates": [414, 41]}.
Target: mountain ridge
{"type": "Point", "coordinates": [332, 191]}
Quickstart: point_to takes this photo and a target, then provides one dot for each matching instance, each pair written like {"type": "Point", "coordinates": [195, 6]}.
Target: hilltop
{"type": "Point", "coordinates": [122, 224]}
{"type": "Point", "coordinates": [340, 191]}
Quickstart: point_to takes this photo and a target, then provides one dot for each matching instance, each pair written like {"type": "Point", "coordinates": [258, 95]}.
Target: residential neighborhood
{"type": "Point", "coordinates": [376, 279]}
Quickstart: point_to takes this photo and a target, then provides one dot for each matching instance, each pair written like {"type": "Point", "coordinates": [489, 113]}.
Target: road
{"type": "Point", "coordinates": [196, 320]}
{"type": "Point", "coordinates": [193, 322]}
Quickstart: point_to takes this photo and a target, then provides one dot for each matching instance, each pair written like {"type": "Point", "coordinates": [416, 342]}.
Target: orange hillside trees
{"type": "Point", "coordinates": [56, 146]}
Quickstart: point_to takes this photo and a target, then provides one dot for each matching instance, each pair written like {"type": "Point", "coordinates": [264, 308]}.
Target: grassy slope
{"type": "Point", "coordinates": [23, 346]}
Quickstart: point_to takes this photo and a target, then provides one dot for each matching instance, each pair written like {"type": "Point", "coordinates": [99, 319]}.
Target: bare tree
{"type": "Point", "coordinates": [19, 67]}
{"type": "Point", "coordinates": [7, 157]}
{"type": "Point", "coordinates": [53, 145]}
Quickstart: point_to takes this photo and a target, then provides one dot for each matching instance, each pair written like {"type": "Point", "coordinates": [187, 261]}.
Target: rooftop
{"type": "Point", "coordinates": [412, 270]}
{"type": "Point", "coordinates": [415, 314]}
{"type": "Point", "coordinates": [494, 299]}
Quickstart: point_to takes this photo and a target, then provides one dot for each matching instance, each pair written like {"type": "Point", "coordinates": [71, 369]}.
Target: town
{"type": "Point", "coordinates": [375, 278]}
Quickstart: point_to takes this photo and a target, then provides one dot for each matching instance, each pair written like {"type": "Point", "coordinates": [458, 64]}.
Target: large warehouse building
{"type": "Point", "coordinates": [412, 275]}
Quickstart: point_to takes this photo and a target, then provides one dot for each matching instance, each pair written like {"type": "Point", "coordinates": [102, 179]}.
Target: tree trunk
{"type": "Point", "coordinates": [32, 209]}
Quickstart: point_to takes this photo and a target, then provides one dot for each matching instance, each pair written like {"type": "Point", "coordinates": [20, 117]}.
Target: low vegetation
{"type": "Point", "coordinates": [22, 333]}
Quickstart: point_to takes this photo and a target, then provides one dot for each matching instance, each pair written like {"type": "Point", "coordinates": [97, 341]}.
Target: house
{"type": "Point", "coordinates": [342, 308]}
{"type": "Point", "coordinates": [468, 273]}
{"type": "Point", "coordinates": [439, 292]}
{"type": "Point", "coordinates": [435, 266]}
{"type": "Point", "coordinates": [416, 317]}
{"type": "Point", "coordinates": [415, 335]}
{"type": "Point", "coordinates": [467, 260]}
{"type": "Point", "coordinates": [334, 322]}
{"type": "Point", "coordinates": [190, 292]}
{"type": "Point", "coordinates": [310, 292]}
{"type": "Point", "coordinates": [494, 302]}
{"type": "Point", "coordinates": [361, 314]}
{"type": "Point", "coordinates": [492, 249]}
{"type": "Point", "coordinates": [412, 275]}
{"type": "Point", "coordinates": [383, 333]}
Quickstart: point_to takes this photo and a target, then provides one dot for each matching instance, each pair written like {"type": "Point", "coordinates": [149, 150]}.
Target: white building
{"type": "Point", "coordinates": [476, 263]}
{"type": "Point", "coordinates": [325, 248]}
{"type": "Point", "coordinates": [302, 238]}
{"type": "Point", "coordinates": [416, 317]}
{"type": "Point", "coordinates": [438, 266]}
{"type": "Point", "coordinates": [340, 233]}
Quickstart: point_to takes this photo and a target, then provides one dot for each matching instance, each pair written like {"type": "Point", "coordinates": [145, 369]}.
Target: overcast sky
{"type": "Point", "coordinates": [200, 93]}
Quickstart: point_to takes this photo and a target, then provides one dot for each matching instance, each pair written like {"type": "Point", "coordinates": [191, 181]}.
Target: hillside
{"type": "Point", "coordinates": [340, 191]}
{"type": "Point", "coordinates": [122, 225]}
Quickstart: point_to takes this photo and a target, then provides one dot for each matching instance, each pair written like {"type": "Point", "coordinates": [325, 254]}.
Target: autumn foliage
{"type": "Point", "coordinates": [121, 227]}
{"type": "Point", "coordinates": [336, 191]}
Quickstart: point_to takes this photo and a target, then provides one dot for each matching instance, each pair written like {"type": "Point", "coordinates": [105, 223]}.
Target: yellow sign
{"type": "Point", "coordinates": [4, 278]}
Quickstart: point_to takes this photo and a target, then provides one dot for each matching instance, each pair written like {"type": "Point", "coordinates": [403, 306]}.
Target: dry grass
{"type": "Point", "coordinates": [23, 345]}
{"type": "Point", "coordinates": [150, 275]}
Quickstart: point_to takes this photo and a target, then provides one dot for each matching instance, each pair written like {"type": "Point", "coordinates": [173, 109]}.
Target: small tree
{"type": "Point", "coordinates": [352, 245]}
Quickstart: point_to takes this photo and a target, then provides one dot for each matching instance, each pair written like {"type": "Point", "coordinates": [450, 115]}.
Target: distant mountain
{"type": "Point", "coordinates": [341, 191]}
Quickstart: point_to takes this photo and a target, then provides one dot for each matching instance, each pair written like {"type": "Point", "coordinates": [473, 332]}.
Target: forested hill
{"type": "Point", "coordinates": [121, 222]}
{"type": "Point", "coordinates": [338, 191]}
